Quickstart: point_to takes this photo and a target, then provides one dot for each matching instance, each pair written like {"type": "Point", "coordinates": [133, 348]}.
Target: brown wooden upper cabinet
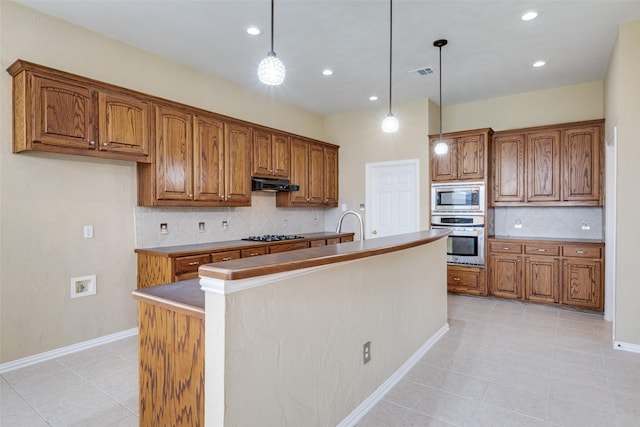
{"type": "Point", "coordinates": [64, 113]}
{"type": "Point", "coordinates": [551, 165]}
{"type": "Point", "coordinates": [314, 167]}
{"type": "Point", "coordinates": [271, 154]}
{"type": "Point", "coordinates": [465, 158]}
{"type": "Point", "coordinates": [201, 160]}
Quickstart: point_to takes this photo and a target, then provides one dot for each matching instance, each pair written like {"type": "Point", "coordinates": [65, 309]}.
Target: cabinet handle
{"type": "Point", "coordinates": [506, 249]}
{"type": "Point", "coordinates": [254, 254]}
{"type": "Point", "coordinates": [579, 252]}
{"type": "Point", "coordinates": [227, 258]}
{"type": "Point", "coordinates": [221, 197]}
{"type": "Point", "coordinates": [92, 143]}
{"type": "Point", "coordinates": [457, 279]}
{"type": "Point", "coordinates": [105, 144]}
{"type": "Point", "coordinates": [542, 250]}
{"type": "Point", "coordinates": [194, 263]}
{"type": "Point", "coordinates": [229, 196]}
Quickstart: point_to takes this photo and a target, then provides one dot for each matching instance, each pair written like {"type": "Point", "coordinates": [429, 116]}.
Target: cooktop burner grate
{"type": "Point", "coordinates": [273, 237]}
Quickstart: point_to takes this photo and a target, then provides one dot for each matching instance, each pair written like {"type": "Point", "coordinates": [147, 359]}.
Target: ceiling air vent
{"type": "Point", "coordinates": [425, 71]}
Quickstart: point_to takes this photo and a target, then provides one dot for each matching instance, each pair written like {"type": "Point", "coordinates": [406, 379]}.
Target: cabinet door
{"type": "Point", "coordinates": [316, 174]}
{"type": "Point", "coordinates": [299, 175]}
{"type": "Point", "coordinates": [444, 166]}
{"type": "Point", "coordinates": [582, 283]}
{"type": "Point", "coordinates": [124, 124]}
{"type": "Point", "coordinates": [208, 160]}
{"type": "Point", "coordinates": [468, 280]}
{"type": "Point", "coordinates": [541, 279]}
{"type": "Point", "coordinates": [508, 152]}
{"type": "Point", "coordinates": [280, 155]}
{"type": "Point", "coordinates": [330, 176]}
{"type": "Point", "coordinates": [581, 164]}
{"type": "Point", "coordinates": [506, 276]}
{"type": "Point", "coordinates": [63, 114]}
{"type": "Point", "coordinates": [261, 163]}
{"type": "Point", "coordinates": [543, 168]}
{"type": "Point", "coordinates": [471, 157]}
{"type": "Point", "coordinates": [238, 164]}
{"type": "Point", "coordinates": [174, 152]}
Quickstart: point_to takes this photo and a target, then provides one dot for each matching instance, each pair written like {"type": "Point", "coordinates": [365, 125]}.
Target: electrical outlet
{"type": "Point", "coordinates": [225, 225]}
{"type": "Point", "coordinates": [164, 228]}
{"type": "Point", "coordinates": [201, 227]}
{"type": "Point", "coordinates": [88, 231]}
{"type": "Point", "coordinates": [586, 225]}
{"type": "Point", "coordinates": [366, 352]}
{"type": "Point", "coordinates": [285, 223]}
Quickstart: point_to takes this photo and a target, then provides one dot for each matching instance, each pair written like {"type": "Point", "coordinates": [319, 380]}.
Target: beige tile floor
{"type": "Point", "coordinates": [507, 363]}
{"type": "Point", "coordinates": [502, 364]}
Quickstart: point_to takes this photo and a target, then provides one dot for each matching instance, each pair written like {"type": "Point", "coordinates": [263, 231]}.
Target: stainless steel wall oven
{"type": "Point", "coordinates": [465, 244]}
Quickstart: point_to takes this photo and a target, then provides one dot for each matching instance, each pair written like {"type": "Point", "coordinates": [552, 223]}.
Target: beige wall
{"type": "Point", "coordinates": [362, 141]}
{"type": "Point", "coordinates": [623, 111]}
{"type": "Point", "coordinates": [293, 347]}
{"type": "Point", "coordinates": [46, 199]}
{"type": "Point", "coordinates": [559, 105]}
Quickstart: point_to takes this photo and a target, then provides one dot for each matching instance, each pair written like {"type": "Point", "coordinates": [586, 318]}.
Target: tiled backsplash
{"type": "Point", "coordinates": [261, 218]}
{"type": "Point", "coordinates": [552, 222]}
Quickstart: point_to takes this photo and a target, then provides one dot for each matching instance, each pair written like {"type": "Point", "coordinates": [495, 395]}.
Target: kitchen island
{"type": "Point", "coordinates": [285, 332]}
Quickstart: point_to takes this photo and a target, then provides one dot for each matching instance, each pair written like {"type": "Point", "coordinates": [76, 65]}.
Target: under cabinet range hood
{"type": "Point", "coordinates": [272, 185]}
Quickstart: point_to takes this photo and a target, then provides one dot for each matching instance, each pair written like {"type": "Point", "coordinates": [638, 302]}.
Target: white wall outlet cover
{"type": "Point", "coordinates": [88, 231]}
{"type": "Point", "coordinates": [83, 286]}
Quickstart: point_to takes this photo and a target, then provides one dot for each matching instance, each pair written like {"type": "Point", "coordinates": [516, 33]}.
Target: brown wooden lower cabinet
{"type": "Point", "coordinates": [558, 272]}
{"type": "Point", "coordinates": [159, 266]}
{"type": "Point", "coordinates": [468, 280]}
{"type": "Point", "coordinates": [171, 366]}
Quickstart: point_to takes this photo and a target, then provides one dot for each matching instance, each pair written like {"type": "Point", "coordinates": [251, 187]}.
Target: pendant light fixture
{"type": "Point", "coordinates": [441, 147]}
{"type": "Point", "coordinates": [390, 123]}
{"type": "Point", "coordinates": [271, 70]}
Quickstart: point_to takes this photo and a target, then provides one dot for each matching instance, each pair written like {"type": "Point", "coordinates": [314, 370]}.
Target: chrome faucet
{"type": "Point", "coordinates": [357, 215]}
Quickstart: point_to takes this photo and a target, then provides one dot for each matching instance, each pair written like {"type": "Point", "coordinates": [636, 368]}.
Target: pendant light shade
{"type": "Point", "coordinates": [390, 124]}
{"type": "Point", "coordinates": [271, 70]}
{"type": "Point", "coordinates": [441, 147]}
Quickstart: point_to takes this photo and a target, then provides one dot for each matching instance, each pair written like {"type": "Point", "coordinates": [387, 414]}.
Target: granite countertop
{"type": "Point", "coordinates": [549, 239]}
{"type": "Point", "coordinates": [185, 296]}
{"type": "Point", "coordinates": [198, 248]}
{"type": "Point", "coordinates": [313, 257]}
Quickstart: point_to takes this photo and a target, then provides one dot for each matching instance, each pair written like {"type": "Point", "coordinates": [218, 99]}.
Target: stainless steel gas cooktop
{"type": "Point", "coordinates": [273, 237]}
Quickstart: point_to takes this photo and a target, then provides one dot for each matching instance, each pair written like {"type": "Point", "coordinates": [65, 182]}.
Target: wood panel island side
{"type": "Point", "coordinates": [285, 332]}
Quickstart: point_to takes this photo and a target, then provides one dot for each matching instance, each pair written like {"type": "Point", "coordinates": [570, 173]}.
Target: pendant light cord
{"type": "Point", "coordinates": [440, 48]}
{"type": "Point", "coordinates": [272, 2]}
{"type": "Point", "coordinates": [390, 48]}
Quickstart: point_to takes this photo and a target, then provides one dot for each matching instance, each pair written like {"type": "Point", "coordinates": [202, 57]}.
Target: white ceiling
{"type": "Point", "coordinates": [489, 54]}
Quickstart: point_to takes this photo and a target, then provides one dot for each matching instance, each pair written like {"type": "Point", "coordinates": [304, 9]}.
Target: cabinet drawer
{"type": "Point", "coordinates": [542, 249]}
{"type": "Point", "coordinates": [246, 253]}
{"type": "Point", "coordinates": [582, 251]}
{"type": "Point", "coordinates": [316, 243]}
{"type": "Point", "coordinates": [188, 264]}
{"type": "Point", "coordinates": [333, 241]}
{"type": "Point", "coordinates": [285, 247]}
{"type": "Point", "coordinates": [505, 247]}
{"type": "Point", "coordinates": [225, 256]}
{"type": "Point", "coordinates": [346, 239]}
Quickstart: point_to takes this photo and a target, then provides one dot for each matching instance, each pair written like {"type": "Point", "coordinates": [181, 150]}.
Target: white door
{"type": "Point", "coordinates": [392, 198]}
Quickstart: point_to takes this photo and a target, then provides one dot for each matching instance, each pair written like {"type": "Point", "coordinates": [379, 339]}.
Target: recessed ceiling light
{"type": "Point", "coordinates": [529, 16]}
{"type": "Point", "coordinates": [539, 64]}
{"type": "Point", "coordinates": [254, 31]}
{"type": "Point", "coordinates": [327, 72]}
{"type": "Point", "coordinates": [373, 98]}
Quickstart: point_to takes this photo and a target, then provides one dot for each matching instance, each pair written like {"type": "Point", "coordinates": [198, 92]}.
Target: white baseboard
{"type": "Point", "coordinates": [63, 351]}
{"type": "Point", "coordinates": [633, 348]}
{"type": "Point", "coordinates": [362, 409]}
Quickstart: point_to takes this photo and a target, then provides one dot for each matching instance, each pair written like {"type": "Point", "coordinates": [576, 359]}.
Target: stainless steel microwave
{"type": "Point", "coordinates": [460, 197]}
